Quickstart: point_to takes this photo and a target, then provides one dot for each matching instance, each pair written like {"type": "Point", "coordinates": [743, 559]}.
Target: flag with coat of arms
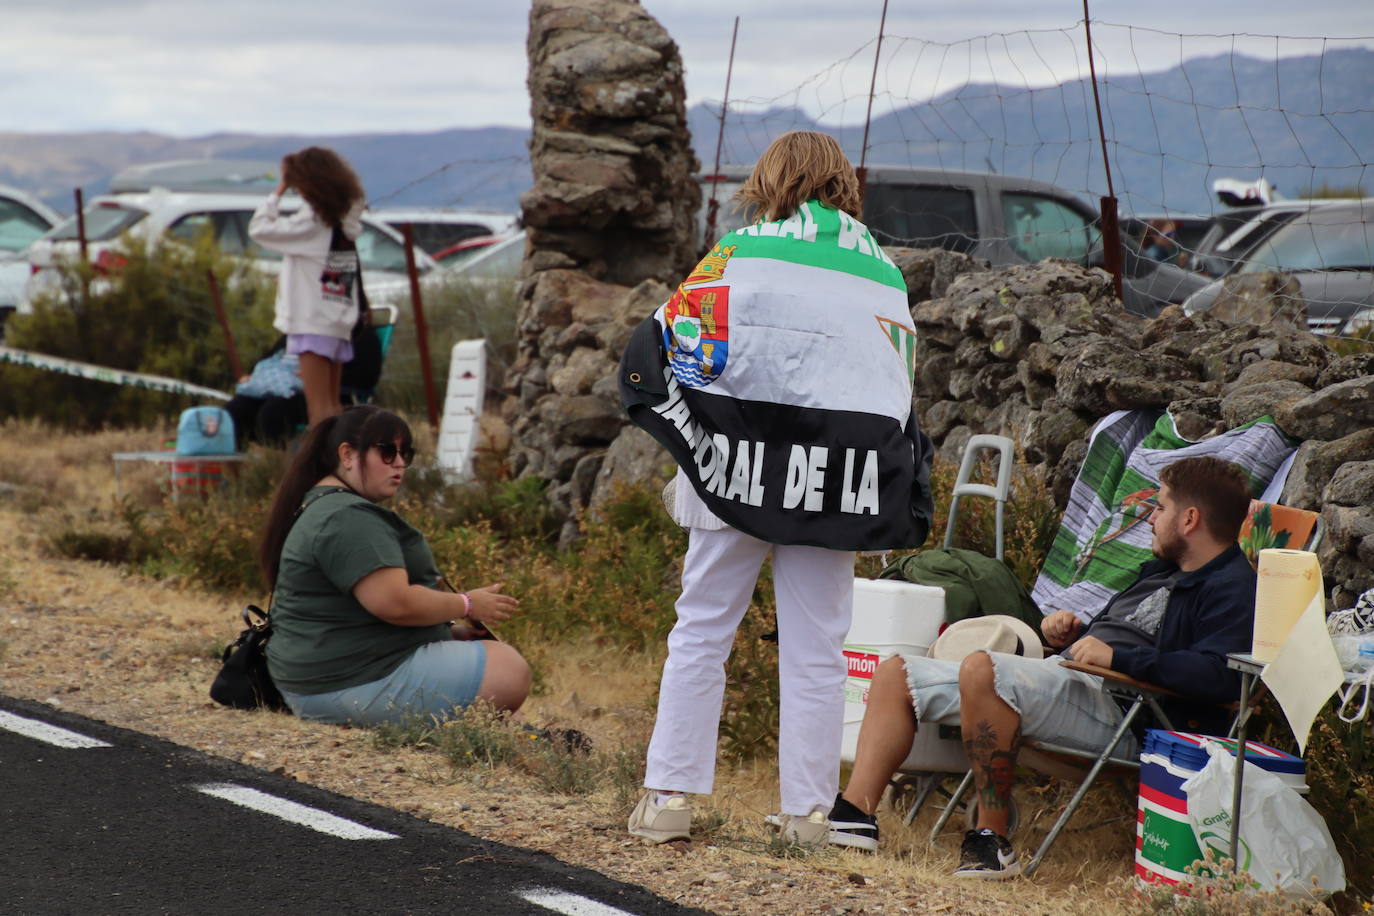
{"type": "Point", "coordinates": [779, 377]}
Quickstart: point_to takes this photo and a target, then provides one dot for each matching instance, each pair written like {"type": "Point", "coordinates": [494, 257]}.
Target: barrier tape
{"type": "Point", "coordinates": [105, 374]}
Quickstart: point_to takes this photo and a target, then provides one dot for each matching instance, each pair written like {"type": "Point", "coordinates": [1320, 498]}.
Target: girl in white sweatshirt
{"type": "Point", "coordinates": [318, 288]}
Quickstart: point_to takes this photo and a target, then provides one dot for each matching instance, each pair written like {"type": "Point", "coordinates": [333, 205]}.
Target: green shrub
{"type": "Point", "coordinates": [154, 316]}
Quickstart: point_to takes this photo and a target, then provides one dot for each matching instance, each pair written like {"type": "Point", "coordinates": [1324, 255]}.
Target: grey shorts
{"type": "Point", "coordinates": [439, 680]}
{"type": "Point", "coordinates": [1056, 704]}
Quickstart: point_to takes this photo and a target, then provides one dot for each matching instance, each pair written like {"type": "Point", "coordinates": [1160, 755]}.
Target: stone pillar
{"type": "Point", "coordinates": [610, 228]}
{"type": "Point", "coordinates": [613, 191]}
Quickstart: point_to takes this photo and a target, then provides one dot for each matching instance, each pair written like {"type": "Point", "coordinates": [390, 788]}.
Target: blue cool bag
{"type": "Point", "coordinates": [205, 431]}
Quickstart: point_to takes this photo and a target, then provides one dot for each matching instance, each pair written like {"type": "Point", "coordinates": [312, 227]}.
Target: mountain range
{"type": "Point", "coordinates": [1302, 122]}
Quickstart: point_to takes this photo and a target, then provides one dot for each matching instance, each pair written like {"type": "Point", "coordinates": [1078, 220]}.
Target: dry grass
{"type": "Point", "coordinates": [103, 642]}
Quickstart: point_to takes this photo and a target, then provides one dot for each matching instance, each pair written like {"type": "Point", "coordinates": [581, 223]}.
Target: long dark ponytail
{"type": "Point", "coordinates": [362, 427]}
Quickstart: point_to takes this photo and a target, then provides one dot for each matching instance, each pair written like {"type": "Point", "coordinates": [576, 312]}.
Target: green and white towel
{"type": "Point", "coordinates": [1103, 538]}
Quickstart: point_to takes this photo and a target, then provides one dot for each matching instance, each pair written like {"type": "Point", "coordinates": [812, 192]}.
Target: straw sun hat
{"type": "Point", "coordinates": [996, 633]}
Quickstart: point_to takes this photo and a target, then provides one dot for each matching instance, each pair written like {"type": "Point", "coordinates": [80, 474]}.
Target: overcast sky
{"type": "Point", "coordinates": [191, 67]}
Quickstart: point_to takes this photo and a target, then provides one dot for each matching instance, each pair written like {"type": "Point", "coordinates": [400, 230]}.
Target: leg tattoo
{"type": "Point", "coordinates": [993, 765]}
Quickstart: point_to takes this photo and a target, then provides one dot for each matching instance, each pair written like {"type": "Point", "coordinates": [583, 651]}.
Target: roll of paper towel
{"type": "Point", "coordinates": [1288, 581]}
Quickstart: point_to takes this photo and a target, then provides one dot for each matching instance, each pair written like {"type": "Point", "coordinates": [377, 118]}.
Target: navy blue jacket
{"type": "Point", "coordinates": [1211, 612]}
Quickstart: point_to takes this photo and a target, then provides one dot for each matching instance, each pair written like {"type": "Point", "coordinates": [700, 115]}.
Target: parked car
{"type": "Point", "coordinates": [1328, 248]}
{"type": "Point", "coordinates": [23, 219]}
{"type": "Point", "coordinates": [434, 230]}
{"type": "Point", "coordinates": [1004, 219]}
{"type": "Point", "coordinates": [183, 216]}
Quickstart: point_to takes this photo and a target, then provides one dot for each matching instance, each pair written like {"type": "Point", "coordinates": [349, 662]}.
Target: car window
{"type": "Point", "coordinates": [1041, 227]}
{"type": "Point", "coordinates": [19, 225]}
{"type": "Point", "coordinates": [1308, 245]}
{"type": "Point", "coordinates": [226, 226]}
{"type": "Point", "coordinates": [1237, 239]}
{"type": "Point", "coordinates": [380, 251]}
{"type": "Point", "coordinates": [921, 216]}
{"type": "Point", "coordinates": [104, 221]}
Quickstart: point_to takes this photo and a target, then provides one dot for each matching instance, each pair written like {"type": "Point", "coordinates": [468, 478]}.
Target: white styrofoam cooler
{"type": "Point", "coordinates": [894, 617]}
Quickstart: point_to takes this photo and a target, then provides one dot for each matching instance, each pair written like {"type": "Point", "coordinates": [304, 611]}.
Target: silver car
{"type": "Point", "coordinates": [1329, 251]}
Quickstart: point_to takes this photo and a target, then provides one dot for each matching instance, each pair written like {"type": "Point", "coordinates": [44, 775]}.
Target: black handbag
{"type": "Point", "coordinates": [243, 681]}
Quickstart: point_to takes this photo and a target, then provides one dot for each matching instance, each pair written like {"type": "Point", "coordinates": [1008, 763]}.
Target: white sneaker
{"type": "Point", "coordinates": [812, 830]}
{"type": "Point", "coordinates": [660, 823]}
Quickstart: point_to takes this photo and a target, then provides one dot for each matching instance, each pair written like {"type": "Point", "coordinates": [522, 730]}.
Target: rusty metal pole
{"type": "Point", "coordinates": [1111, 228]}
{"type": "Point", "coordinates": [235, 367]}
{"type": "Point", "coordinates": [862, 170]}
{"type": "Point", "coordinates": [421, 331]}
{"type": "Point", "coordinates": [81, 225]}
{"type": "Point", "coordinates": [713, 206]}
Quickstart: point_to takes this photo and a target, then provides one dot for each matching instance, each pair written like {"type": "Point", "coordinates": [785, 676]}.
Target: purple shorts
{"type": "Point", "coordinates": [332, 348]}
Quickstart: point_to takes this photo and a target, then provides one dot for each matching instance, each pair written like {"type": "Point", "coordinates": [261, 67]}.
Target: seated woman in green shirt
{"type": "Point", "coordinates": [361, 633]}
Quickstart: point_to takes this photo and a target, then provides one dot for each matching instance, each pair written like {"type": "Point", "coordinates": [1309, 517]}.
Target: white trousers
{"type": "Point", "coordinates": [815, 590]}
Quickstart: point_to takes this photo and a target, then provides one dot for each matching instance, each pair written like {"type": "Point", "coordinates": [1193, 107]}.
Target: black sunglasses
{"type": "Point", "coordinates": [389, 450]}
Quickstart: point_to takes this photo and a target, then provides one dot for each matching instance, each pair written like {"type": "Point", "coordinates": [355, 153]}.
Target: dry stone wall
{"type": "Point", "coordinates": [1040, 353]}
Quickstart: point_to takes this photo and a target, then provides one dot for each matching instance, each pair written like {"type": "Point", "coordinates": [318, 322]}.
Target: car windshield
{"type": "Point", "coordinates": [104, 221]}
{"type": "Point", "coordinates": [19, 225]}
{"type": "Point", "coordinates": [1330, 240]}
{"type": "Point", "coordinates": [434, 236]}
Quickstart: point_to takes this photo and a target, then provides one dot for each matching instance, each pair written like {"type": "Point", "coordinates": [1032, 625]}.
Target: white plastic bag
{"type": "Point", "coordinates": [1284, 842]}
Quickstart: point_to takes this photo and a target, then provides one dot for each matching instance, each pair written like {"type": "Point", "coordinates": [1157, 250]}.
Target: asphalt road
{"type": "Point", "coordinates": [96, 819]}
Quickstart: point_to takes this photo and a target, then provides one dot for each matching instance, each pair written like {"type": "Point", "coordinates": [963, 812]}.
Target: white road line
{"type": "Point", "coordinates": [32, 728]}
{"type": "Point", "coordinates": [569, 904]}
{"type": "Point", "coordinates": [304, 815]}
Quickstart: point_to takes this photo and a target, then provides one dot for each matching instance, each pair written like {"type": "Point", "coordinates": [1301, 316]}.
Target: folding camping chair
{"type": "Point", "coordinates": [1267, 524]}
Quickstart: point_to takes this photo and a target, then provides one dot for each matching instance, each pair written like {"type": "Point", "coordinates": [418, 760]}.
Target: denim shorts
{"type": "Point", "coordinates": [337, 349]}
{"type": "Point", "coordinates": [1056, 704]}
{"type": "Point", "coordinates": [438, 680]}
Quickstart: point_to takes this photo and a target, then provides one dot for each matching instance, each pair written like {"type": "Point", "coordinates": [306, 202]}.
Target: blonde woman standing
{"type": "Point", "coordinates": [779, 376]}
{"type": "Point", "coordinates": [318, 289]}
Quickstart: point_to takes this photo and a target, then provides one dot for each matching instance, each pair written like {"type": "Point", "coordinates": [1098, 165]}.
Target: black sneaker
{"type": "Point", "coordinates": [851, 827]}
{"type": "Point", "coordinates": [987, 855]}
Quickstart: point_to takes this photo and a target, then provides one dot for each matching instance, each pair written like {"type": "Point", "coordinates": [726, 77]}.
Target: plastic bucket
{"type": "Point", "coordinates": [1165, 844]}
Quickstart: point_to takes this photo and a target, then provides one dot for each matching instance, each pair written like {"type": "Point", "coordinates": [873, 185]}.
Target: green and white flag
{"type": "Point", "coordinates": [1104, 536]}
{"type": "Point", "coordinates": [779, 376]}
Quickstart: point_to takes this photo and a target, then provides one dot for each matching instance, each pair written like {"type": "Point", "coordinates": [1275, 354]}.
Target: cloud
{"type": "Point", "coordinates": [188, 67]}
